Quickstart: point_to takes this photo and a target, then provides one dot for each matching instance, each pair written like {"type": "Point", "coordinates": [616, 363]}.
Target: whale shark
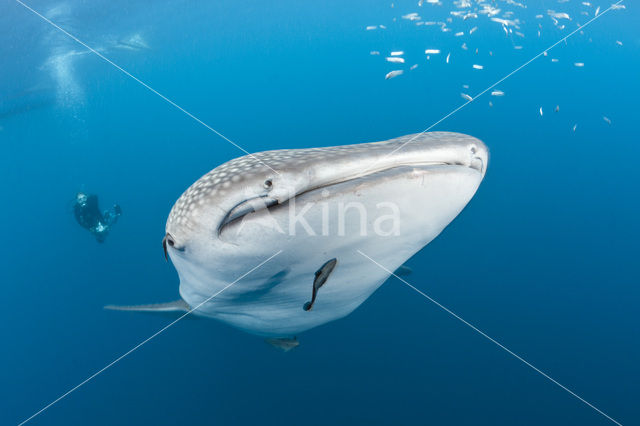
{"type": "Point", "coordinates": [315, 208]}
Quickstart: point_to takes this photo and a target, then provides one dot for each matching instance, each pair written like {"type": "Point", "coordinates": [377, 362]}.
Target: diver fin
{"type": "Point", "coordinates": [403, 271]}
{"type": "Point", "coordinates": [175, 306]}
{"type": "Point", "coordinates": [321, 277]}
{"type": "Point", "coordinates": [285, 344]}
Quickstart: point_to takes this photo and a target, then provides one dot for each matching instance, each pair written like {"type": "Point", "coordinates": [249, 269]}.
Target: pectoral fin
{"type": "Point", "coordinates": [403, 271]}
{"type": "Point", "coordinates": [285, 344]}
{"type": "Point", "coordinates": [175, 306]}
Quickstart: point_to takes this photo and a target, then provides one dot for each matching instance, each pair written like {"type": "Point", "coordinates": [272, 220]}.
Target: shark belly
{"type": "Point", "coordinates": [389, 216]}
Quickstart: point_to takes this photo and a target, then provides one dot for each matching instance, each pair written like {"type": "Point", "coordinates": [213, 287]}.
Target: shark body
{"type": "Point", "coordinates": [319, 209]}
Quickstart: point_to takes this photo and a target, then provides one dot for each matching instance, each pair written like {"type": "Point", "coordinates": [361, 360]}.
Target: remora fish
{"type": "Point", "coordinates": [386, 199]}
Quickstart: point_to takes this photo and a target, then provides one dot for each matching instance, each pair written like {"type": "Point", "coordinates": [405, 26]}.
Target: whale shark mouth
{"type": "Point", "coordinates": [255, 204]}
{"type": "Point", "coordinates": [245, 207]}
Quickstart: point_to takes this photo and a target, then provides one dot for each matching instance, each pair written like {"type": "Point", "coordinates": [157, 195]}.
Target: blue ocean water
{"type": "Point", "coordinates": [543, 259]}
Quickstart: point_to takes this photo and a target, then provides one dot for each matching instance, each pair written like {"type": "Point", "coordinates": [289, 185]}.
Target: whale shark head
{"type": "Point", "coordinates": [197, 228]}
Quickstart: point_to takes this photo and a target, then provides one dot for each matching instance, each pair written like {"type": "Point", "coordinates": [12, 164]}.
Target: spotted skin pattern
{"type": "Point", "coordinates": [222, 180]}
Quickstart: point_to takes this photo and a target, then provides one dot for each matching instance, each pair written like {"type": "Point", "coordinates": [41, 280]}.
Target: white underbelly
{"type": "Point", "coordinates": [269, 301]}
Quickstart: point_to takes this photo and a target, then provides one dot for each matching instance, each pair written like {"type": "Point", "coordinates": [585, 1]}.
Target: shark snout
{"type": "Point", "coordinates": [442, 148]}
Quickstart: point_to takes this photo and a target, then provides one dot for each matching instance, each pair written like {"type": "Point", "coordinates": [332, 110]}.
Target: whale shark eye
{"type": "Point", "coordinates": [268, 183]}
{"type": "Point", "coordinates": [169, 241]}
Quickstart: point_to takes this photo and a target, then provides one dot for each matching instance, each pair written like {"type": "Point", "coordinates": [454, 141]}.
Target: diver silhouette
{"type": "Point", "coordinates": [88, 215]}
